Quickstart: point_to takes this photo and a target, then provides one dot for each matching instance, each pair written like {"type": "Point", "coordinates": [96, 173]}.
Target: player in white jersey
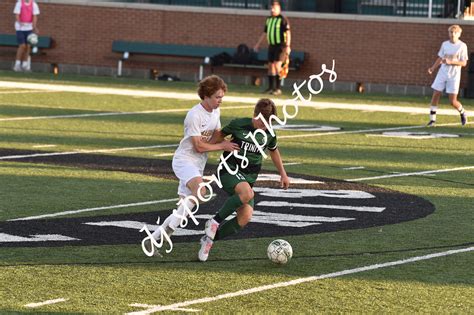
{"type": "Point", "coordinates": [452, 56]}
{"type": "Point", "coordinates": [189, 160]}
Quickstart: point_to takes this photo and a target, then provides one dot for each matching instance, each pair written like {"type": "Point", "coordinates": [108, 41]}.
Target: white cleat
{"type": "Point", "coordinates": [148, 244]}
{"type": "Point", "coordinates": [17, 68]}
{"type": "Point", "coordinates": [206, 245]}
{"type": "Point", "coordinates": [211, 228]}
{"type": "Point", "coordinates": [149, 248]}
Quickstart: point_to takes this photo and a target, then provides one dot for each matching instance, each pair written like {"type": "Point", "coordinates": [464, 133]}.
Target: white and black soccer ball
{"type": "Point", "coordinates": [32, 39]}
{"type": "Point", "coordinates": [279, 252]}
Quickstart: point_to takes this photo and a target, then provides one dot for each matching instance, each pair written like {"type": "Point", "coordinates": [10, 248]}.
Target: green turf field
{"type": "Point", "coordinates": [119, 278]}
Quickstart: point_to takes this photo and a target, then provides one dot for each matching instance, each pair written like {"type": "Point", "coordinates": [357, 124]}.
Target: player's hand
{"type": "Point", "coordinates": [284, 182]}
{"type": "Point", "coordinates": [255, 48]}
{"type": "Point", "coordinates": [229, 146]}
{"type": "Point", "coordinates": [288, 50]}
{"type": "Point", "coordinates": [430, 71]}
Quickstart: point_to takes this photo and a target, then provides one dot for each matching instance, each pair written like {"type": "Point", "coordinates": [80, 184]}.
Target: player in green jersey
{"type": "Point", "coordinates": [241, 171]}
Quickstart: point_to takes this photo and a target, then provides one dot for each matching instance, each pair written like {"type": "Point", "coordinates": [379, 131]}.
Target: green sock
{"type": "Point", "coordinates": [230, 205]}
{"type": "Point", "coordinates": [228, 228]}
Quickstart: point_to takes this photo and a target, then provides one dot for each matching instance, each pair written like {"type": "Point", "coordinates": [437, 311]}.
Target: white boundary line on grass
{"type": "Point", "coordinates": [234, 99]}
{"type": "Point", "coordinates": [301, 280]}
{"type": "Point", "coordinates": [26, 156]}
{"type": "Point", "coordinates": [191, 310]}
{"type": "Point", "coordinates": [110, 114]}
{"type": "Point", "coordinates": [411, 174]}
{"type": "Point", "coordinates": [57, 214]}
{"type": "Point", "coordinates": [24, 92]}
{"type": "Point", "coordinates": [319, 134]}
{"type": "Point", "coordinates": [15, 157]}
{"type": "Point", "coordinates": [48, 302]}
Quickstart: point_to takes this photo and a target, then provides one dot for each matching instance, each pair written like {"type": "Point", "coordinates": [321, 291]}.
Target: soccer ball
{"type": "Point", "coordinates": [279, 251]}
{"type": "Point", "coordinates": [32, 39]}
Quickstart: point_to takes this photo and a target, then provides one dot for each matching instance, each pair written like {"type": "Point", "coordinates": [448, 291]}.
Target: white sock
{"type": "Point", "coordinates": [157, 234]}
{"type": "Point", "coordinates": [461, 110]}
{"type": "Point", "coordinates": [180, 212]}
{"type": "Point", "coordinates": [433, 110]}
{"type": "Point", "coordinates": [17, 63]}
{"type": "Point", "coordinates": [24, 64]}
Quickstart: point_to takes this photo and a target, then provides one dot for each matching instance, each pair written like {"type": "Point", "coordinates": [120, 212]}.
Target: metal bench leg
{"type": "Point", "coordinates": [201, 72]}
{"type": "Point", "coordinates": [119, 68]}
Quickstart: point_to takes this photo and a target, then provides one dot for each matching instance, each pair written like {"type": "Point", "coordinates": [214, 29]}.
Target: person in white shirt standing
{"type": "Point", "coordinates": [200, 133]}
{"type": "Point", "coordinates": [26, 13]}
{"type": "Point", "coordinates": [452, 56]}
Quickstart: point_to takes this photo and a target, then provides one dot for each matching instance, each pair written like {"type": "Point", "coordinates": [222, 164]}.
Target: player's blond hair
{"type": "Point", "coordinates": [210, 85]}
{"type": "Point", "coordinates": [455, 28]}
{"type": "Point", "coordinates": [266, 107]}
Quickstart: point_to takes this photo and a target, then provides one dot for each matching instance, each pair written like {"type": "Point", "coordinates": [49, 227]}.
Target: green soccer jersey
{"type": "Point", "coordinates": [239, 129]}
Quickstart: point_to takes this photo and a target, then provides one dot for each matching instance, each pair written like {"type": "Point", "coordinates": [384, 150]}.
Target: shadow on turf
{"type": "Point", "coordinates": [154, 261]}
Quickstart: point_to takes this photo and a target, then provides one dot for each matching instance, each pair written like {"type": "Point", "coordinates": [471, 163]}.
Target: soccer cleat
{"type": "Point", "coordinates": [206, 245]}
{"type": "Point", "coordinates": [276, 92]}
{"type": "Point", "coordinates": [211, 228]}
{"type": "Point", "coordinates": [432, 123]}
{"type": "Point", "coordinates": [149, 247]}
{"type": "Point", "coordinates": [463, 118]}
{"type": "Point", "coordinates": [17, 68]}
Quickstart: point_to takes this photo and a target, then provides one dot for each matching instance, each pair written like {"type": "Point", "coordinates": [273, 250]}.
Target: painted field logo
{"type": "Point", "coordinates": [312, 205]}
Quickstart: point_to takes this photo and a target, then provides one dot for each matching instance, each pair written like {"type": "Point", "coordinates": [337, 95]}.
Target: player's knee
{"type": "Point", "coordinates": [246, 195]}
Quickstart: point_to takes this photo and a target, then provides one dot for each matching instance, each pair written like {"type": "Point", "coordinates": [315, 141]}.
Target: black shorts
{"type": "Point", "coordinates": [276, 53]}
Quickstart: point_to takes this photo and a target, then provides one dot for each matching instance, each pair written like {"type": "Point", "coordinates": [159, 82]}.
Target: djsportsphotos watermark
{"type": "Point", "coordinates": [314, 85]}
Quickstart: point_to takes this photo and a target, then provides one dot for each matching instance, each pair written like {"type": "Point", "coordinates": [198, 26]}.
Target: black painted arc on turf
{"type": "Point", "coordinates": [399, 207]}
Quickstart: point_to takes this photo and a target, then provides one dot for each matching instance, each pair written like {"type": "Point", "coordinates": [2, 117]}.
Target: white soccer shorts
{"type": "Point", "coordinates": [442, 82]}
{"type": "Point", "coordinates": [185, 171]}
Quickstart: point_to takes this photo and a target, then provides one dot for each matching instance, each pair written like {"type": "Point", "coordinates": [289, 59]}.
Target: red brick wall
{"type": "Point", "coordinates": [386, 52]}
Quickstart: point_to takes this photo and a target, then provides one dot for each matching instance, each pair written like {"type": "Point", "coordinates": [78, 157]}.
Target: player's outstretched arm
{"type": "Point", "coordinates": [201, 146]}
{"type": "Point", "coordinates": [435, 65]}
{"type": "Point", "coordinates": [276, 159]}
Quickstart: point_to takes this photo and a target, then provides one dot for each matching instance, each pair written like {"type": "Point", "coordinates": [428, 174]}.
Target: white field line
{"type": "Point", "coordinates": [411, 174]}
{"type": "Point", "coordinates": [153, 306]}
{"type": "Point", "coordinates": [136, 204]}
{"type": "Point", "coordinates": [321, 134]}
{"type": "Point", "coordinates": [234, 99]}
{"type": "Point", "coordinates": [302, 280]}
{"type": "Point", "coordinates": [24, 92]}
{"type": "Point", "coordinates": [15, 157]}
{"type": "Point", "coordinates": [49, 302]}
{"type": "Point", "coordinates": [11, 157]}
{"type": "Point", "coordinates": [109, 114]}
{"type": "Point", "coordinates": [353, 168]}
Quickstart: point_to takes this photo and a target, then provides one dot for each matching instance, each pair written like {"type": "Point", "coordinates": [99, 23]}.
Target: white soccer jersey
{"type": "Point", "coordinates": [24, 26]}
{"type": "Point", "coordinates": [198, 122]}
{"type": "Point", "coordinates": [456, 52]}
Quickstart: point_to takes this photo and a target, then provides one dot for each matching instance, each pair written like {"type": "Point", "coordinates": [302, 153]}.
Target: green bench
{"type": "Point", "coordinates": [9, 40]}
{"type": "Point", "coordinates": [130, 49]}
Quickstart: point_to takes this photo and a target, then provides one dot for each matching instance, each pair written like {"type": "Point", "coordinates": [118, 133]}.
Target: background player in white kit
{"type": "Point", "coordinates": [452, 56]}
{"type": "Point", "coordinates": [200, 125]}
